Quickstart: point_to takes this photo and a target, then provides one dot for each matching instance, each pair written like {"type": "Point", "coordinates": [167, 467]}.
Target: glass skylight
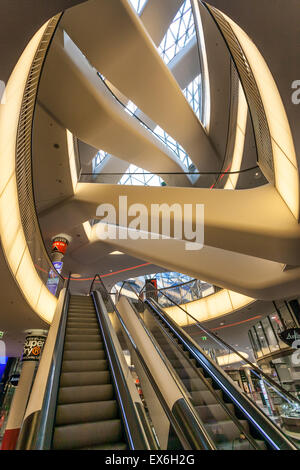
{"type": "Point", "coordinates": [180, 31]}
{"type": "Point", "coordinates": [175, 146]}
{"type": "Point", "coordinates": [193, 93]}
{"type": "Point", "coordinates": [145, 179]}
{"type": "Point", "coordinates": [131, 108]}
{"type": "Point", "coordinates": [98, 159]}
{"type": "Point", "coordinates": [138, 5]}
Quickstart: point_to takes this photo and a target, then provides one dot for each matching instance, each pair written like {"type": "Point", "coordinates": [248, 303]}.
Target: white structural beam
{"type": "Point", "coordinates": [104, 29]}
{"type": "Point", "coordinates": [72, 91]}
{"type": "Point", "coordinates": [157, 16]}
{"type": "Point", "coordinates": [254, 222]}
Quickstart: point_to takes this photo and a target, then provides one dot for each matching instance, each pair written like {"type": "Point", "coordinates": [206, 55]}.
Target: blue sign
{"type": "Point", "coordinates": [53, 279]}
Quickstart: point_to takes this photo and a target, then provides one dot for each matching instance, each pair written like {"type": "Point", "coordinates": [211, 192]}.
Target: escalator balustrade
{"type": "Point", "coordinates": [217, 421]}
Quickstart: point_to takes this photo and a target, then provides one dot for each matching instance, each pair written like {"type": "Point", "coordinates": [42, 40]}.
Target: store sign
{"type": "Point", "coordinates": [59, 245]}
{"type": "Point", "coordinates": [14, 379]}
{"type": "Point", "coordinates": [53, 279]}
{"type": "Point", "coordinates": [290, 335]}
{"type": "Point", "coordinates": [58, 266]}
{"type": "Point", "coordinates": [1, 334]}
{"type": "Point", "coordinates": [33, 347]}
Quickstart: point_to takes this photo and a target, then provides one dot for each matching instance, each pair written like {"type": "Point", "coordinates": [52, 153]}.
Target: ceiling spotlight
{"type": "Point", "coordinates": [116, 253]}
{"type": "Point", "coordinates": [76, 276]}
{"type": "Point", "coordinates": [222, 324]}
{"type": "Point", "coordinates": [257, 175]}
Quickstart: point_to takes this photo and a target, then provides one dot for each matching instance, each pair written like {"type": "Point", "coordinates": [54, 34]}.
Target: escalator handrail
{"type": "Point", "coordinates": [210, 388]}
{"type": "Point", "coordinates": [184, 430]}
{"type": "Point", "coordinates": [93, 281]}
{"type": "Point", "coordinates": [265, 426]}
{"type": "Point", "coordinates": [45, 426]}
{"type": "Point", "coordinates": [267, 379]}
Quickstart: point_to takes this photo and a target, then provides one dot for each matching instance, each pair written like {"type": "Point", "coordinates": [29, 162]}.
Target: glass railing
{"type": "Point", "coordinates": [224, 428]}
{"type": "Point", "coordinates": [277, 403]}
{"type": "Point", "coordinates": [181, 179]}
{"type": "Point", "coordinates": [182, 293]}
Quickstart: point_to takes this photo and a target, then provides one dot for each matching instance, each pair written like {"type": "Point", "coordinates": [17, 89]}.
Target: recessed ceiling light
{"type": "Point", "coordinates": [116, 253]}
{"type": "Point", "coordinates": [76, 276]}
{"type": "Point", "coordinates": [222, 324]}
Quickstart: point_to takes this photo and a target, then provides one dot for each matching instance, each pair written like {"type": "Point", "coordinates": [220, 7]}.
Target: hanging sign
{"type": "Point", "coordinates": [59, 245]}
{"type": "Point", "coordinates": [290, 335]}
{"type": "Point", "coordinates": [33, 347]}
{"type": "Point", "coordinates": [53, 279]}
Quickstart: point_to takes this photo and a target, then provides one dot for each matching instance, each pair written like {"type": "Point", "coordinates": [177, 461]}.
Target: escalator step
{"type": "Point", "coordinates": [72, 379]}
{"type": "Point", "coordinates": [84, 365]}
{"type": "Point", "coordinates": [83, 306]}
{"type": "Point", "coordinates": [77, 436]}
{"type": "Point", "coordinates": [83, 346]}
{"type": "Point", "coordinates": [194, 384]}
{"type": "Point", "coordinates": [71, 331]}
{"type": "Point", "coordinates": [213, 413]}
{"type": "Point", "coordinates": [85, 312]}
{"type": "Point", "coordinates": [82, 313]}
{"type": "Point", "coordinates": [82, 324]}
{"type": "Point", "coordinates": [226, 430]}
{"type": "Point", "coordinates": [204, 397]}
{"type": "Point", "coordinates": [186, 373]}
{"type": "Point", "coordinates": [82, 319]}
{"type": "Point", "coordinates": [84, 337]}
{"type": "Point", "coordinates": [85, 393]}
{"type": "Point", "coordinates": [86, 412]}
{"type": "Point", "coordinates": [84, 355]}
{"type": "Point", "coordinates": [76, 322]}
{"type": "Point", "coordinates": [181, 363]}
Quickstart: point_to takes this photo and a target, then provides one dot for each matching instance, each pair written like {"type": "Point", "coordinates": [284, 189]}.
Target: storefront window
{"type": "Point", "coordinates": [270, 335]}
{"type": "Point", "coordinates": [262, 339]}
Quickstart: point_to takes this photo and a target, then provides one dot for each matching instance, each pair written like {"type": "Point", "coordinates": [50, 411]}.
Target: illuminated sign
{"type": "Point", "coordinates": [290, 335]}
{"type": "Point", "coordinates": [33, 347]}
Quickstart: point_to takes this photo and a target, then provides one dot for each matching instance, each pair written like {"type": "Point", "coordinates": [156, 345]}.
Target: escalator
{"type": "Point", "coordinates": [87, 415]}
{"type": "Point", "coordinates": [229, 416]}
{"type": "Point", "coordinates": [217, 416]}
{"type": "Point", "coordinates": [232, 420]}
{"type": "Point", "coordinates": [84, 396]}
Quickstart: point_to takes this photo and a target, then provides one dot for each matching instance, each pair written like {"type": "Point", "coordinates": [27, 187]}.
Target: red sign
{"type": "Point", "coordinates": [59, 246]}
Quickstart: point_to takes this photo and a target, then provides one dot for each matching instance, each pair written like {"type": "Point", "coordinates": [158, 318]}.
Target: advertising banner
{"type": "Point", "coordinates": [33, 348]}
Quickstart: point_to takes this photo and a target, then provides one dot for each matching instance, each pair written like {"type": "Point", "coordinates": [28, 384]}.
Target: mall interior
{"type": "Point", "coordinates": [149, 225]}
